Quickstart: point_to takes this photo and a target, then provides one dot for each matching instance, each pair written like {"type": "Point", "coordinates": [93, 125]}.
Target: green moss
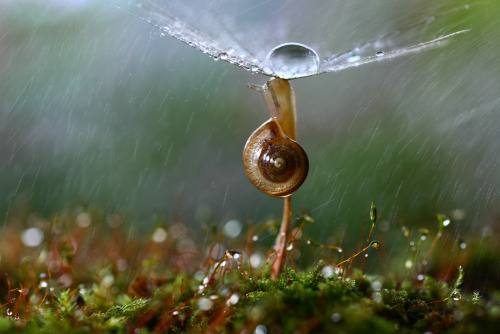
{"type": "Point", "coordinates": [108, 286]}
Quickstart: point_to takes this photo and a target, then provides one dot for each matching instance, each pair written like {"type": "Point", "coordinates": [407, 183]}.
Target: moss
{"type": "Point", "coordinates": [107, 286]}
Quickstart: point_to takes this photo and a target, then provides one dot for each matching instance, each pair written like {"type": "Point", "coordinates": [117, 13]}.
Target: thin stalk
{"type": "Point", "coordinates": [280, 246]}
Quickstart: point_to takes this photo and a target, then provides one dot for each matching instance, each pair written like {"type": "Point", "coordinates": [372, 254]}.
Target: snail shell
{"type": "Point", "coordinates": [274, 163]}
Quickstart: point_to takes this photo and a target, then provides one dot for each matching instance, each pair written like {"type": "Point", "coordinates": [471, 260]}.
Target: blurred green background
{"type": "Point", "coordinates": [98, 109]}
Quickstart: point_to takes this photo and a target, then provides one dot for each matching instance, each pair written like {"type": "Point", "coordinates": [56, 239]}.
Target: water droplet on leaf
{"type": "Point", "coordinates": [293, 60]}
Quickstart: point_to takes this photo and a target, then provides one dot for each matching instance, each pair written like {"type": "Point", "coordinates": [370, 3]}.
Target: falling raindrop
{"type": "Point", "coordinates": [293, 60]}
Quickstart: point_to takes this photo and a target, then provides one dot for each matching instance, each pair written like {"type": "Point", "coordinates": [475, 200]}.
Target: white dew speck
{"type": "Point", "coordinates": [233, 299]}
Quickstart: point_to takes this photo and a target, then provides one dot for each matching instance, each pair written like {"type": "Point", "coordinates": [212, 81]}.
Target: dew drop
{"type": "Point", "coordinates": [463, 245]}
{"type": "Point", "coordinates": [223, 56]}
{"type": "Point", "coordinates": [255, 69]}
{"type": "Point", "coordinates": [353, 58]}
{"type": "Point", "coordinates": [327, 271]}
{"type": "Point", "coordinates": [233, 300]}
{"type": "Point", "coordinates": [420, 277]}
{"type": "Point", "coordinates": [380, 53]}
{"type": "Point", "coordinates": [456, 295]}
{"type": "Point", "coordinates": [293, 60]}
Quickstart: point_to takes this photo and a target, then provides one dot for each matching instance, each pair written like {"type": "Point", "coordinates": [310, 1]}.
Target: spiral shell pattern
{"type": "Point", "coordinates": [274, 163]}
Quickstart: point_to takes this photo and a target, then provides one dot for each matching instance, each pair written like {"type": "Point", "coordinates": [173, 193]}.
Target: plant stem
{"type": "Point", "coordinates": [280, 246]}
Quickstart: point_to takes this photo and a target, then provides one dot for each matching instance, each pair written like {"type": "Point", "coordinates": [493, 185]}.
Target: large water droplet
{"type": "Point", "coordinates": [293, 60]}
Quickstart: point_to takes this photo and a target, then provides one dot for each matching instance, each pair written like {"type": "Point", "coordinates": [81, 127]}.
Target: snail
{"type": "Point", "coordinates": [274, 163]}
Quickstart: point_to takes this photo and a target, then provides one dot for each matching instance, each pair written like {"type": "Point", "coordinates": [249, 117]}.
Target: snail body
{"type": "Point", "coordinates": [274, 163]}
